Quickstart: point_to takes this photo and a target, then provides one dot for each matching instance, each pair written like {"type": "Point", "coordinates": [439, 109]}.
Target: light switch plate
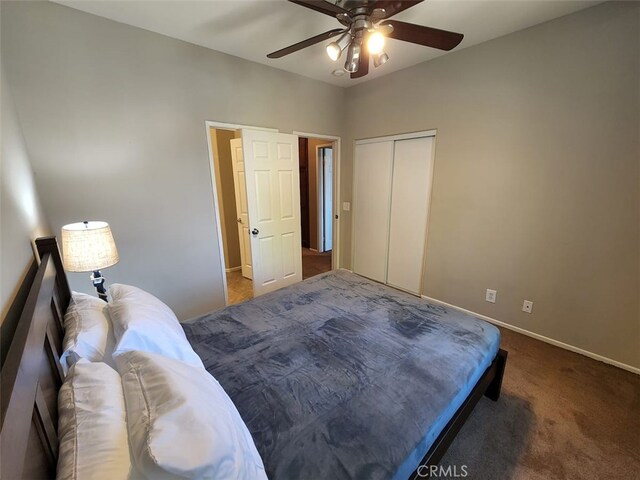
{"type": "Point", "coordinates": [491, 296]}
{"type": "Point", "coordinates": [346, 206]}
{"type": "Point", "coordinates": [527, 306]}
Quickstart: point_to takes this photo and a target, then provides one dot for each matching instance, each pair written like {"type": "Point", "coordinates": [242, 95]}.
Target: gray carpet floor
{"type": "Point", "coordinates": [561, 416]}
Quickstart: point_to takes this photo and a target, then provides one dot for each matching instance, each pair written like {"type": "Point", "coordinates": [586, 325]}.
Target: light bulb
{"type": "Point", "coordinates": [334, 51]}
{"type": "Point", "coordinates": [375, 43]}
{"type": "Point", "coordinates": [380, 59]}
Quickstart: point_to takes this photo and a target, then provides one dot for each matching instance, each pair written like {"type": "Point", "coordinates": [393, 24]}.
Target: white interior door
{"type": "Point", "coordinates": [410, 194]}
{"type": "Point", "coordinates": [327, 178]}
{"type": "Point", "coordinates": [273, 198]}
{"type": "Point", "coordinates": [242, 209]}
{"type": "Point", "coordinates": [371, 197]}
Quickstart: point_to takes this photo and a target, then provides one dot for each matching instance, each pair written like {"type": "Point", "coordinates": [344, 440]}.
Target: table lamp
{"type": "Point", "coordinates": [88, 247]}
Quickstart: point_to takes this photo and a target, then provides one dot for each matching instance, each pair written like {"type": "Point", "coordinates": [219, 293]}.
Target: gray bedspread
{"type": "Point", "coordinates": [341, 377]}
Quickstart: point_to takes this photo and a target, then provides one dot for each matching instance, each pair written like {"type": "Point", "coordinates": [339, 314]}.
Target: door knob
{"type": "Point", "coordinates": [255, 231]}
{"type": "Point", "coordinates": [239, 220]}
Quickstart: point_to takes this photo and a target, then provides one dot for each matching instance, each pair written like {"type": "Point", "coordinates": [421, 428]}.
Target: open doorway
{"type": "Point", "coordinates": [232, 213]}
{"type": "Point", "coordinates": [235, 198]}
{"type": "Point", "coordinates": [316, 204]}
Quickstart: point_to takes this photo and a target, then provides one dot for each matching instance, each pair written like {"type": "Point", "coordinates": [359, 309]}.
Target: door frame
{"type": "Point", "coordinates": [335, 141]}
{"type": "Point", "coordinates": [208, 125]}
{"type": "Point", "coordinates": [400, 136]}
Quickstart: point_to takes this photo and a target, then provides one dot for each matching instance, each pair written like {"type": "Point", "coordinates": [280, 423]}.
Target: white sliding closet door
{"type": "Point", "coordinates": [371, 197]}
{"type": "Point", "coordinates": [410, 194]}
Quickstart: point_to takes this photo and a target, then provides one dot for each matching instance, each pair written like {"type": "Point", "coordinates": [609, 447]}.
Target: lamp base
{"type": "Point", "coordinates": [98, 281]}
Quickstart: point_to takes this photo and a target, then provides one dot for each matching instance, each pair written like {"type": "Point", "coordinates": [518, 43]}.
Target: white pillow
{"type": "Point", "coordinates": [88, 331]}
{"type": "Point", "coordinates": [92, 426]}
{"type": "Point", "coordinates": [182, 424]}
{"type": "Point", "coordinates": [142, 322]}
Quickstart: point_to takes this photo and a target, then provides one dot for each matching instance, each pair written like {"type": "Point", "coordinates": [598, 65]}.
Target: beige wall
{"type": "Point", "coordinates": [226, 195]}
{"type": "Point", "coordinates": [21, 217]}
{"type": "Point", "coordinates": [536, 182]}
{"type": "Point", "coordinates": [114, 119]}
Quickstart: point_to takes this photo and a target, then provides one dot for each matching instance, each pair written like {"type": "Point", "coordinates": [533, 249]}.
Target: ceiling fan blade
{"type": "Point", "coordinates": [363, 64]}
{"type": "Point", "coordinates": [305, 43]}
{"type": "Point", "coordinates": [321, 6]}
{"type": "Point", "coordinates": [393, 7]}
{"type": "Point", "coordinates": [427, 36]}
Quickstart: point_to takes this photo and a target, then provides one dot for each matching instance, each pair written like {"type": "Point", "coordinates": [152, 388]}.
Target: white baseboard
{"type": "Point", "coordinates": [314, 250]}
{"type": "Point", "coordinates": [234, 269]}
{"type": "Point", "coordinates": [351, 271]}
{"type": "Point", "coordinates": [542, 338]}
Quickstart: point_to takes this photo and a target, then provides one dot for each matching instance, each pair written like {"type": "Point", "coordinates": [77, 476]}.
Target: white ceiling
{"type": "Point", "coordinates": [251, 29]}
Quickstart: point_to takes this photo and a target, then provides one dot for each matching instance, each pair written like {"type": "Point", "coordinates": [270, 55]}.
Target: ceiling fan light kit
{"type": "Point", "coordinates": [375, 42]}
{"type": "Point", "coordinates": [353, 57]}
{"type": "Point", "coordinates": [335, 49]}
{"type": "Point", "coordinates": [367, 27]}
{"type": "Point", "coordinates": [380, 59]}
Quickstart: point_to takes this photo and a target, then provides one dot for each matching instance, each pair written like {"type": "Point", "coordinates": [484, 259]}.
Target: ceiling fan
{"type": "Point", "coordinates": [366, 25]}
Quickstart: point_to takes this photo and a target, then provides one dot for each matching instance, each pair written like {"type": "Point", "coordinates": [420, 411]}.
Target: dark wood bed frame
{"type": "Point", "coordinates": [32, 376]}
{"type": "Point", "coordinates": [490, 385]}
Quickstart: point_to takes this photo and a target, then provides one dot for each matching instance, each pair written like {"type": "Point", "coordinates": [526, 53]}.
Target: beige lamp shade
{"type": "Point", "coordinates": [88, 246]}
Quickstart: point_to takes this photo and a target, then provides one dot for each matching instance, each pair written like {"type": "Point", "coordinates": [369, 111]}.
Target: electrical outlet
{"type": "Point", "coordinates": [346, 206]}
{"type": "Point", "coordinates": [491, 296]}
{"type": "Point", "coordinates": [527, 306]}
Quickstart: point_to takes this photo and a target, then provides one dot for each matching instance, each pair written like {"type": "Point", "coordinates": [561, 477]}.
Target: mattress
{"type": "Point", "coordinates": [341, 377]}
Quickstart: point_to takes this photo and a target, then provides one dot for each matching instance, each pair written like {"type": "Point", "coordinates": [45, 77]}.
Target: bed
{"type": "Point", "coordinates": [342, 377]}
{"type": "Point", "coordinates": [336, 377]}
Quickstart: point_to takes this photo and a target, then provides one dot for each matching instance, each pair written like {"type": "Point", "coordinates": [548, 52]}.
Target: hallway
{"type": "Point", "coordinates": [314, 263]}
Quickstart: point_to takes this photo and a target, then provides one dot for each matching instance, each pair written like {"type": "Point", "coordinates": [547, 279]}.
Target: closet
{"type": "Point", "coordinates": [392, 190]}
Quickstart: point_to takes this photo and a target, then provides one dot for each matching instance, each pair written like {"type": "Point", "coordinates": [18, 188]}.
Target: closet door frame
{"type": "Point", "coordinates": [401, 136]}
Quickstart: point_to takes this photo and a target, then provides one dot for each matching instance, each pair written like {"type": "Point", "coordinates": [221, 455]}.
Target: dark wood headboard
{"type": "Point", "coordinates": [31, 374]}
